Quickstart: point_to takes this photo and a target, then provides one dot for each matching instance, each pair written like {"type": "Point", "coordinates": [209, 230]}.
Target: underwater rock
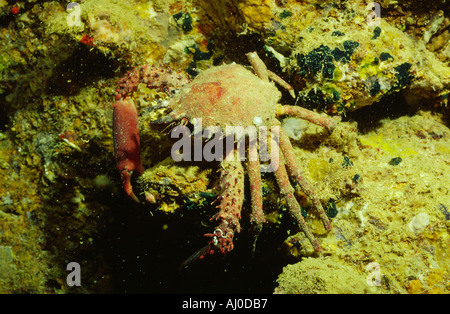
{"type": "Point", "coordinates": [341, 73]}
{"type": "Point", "coordinates": [171, 185]}
{"type": "Point", "coordinates": [59, 188]}
{"type": "Point", "coordinates": [239, 16]}
{"type": "Point", "coordinates": [321, 275]}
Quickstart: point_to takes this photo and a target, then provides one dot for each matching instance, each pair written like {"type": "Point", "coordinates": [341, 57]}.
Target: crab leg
{"type": "Point", "coordinates": [294, 208]}
{"type": "Point", "coordinates": [296, 173]}
{"type": "Point", "coordinates": [231, 200]}
{"type": "Point", "coordinates": [232, 195]}
{"type": "Point", "coordinates": [254, 175]}
{"type": "Point", "coordinates": [264, 73]}
{"type": "Point", "coordinates": [307, 115]}
{"type": "Point", "coordinates": [282, 83]}
{"type": "Point", "coordinates": [258, 65]}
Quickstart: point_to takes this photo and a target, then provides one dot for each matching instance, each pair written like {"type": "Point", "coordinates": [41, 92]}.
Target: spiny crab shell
{"type": "Point", "coordinates": [222, 96]}
{"type": "Point", "coordinates": [227, 95]}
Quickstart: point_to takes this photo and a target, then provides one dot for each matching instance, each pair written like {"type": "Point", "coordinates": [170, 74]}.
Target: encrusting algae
{"type": "Point", "coordinates": [381, 176]}
{"type": "Point", "coordinates": [395, 219]}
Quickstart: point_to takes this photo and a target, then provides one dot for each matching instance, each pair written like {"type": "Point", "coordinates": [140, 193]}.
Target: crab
{"type": "Point", "coordinates": [220, 97]}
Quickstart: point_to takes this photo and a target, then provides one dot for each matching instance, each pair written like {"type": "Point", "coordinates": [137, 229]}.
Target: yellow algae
{"type": "Point", "coordinates": [319, 169]}
{"type": "Point", "coordinates": [415, 287]}
{"type": "Point", "coordinates": [22, 260]}
{"type": "Point", "coordinates": [322, 275]}
{"type": "Point", "coordinates": [273, 217]}
{"type": "Point", "coordinates": [239, 16]}
{"type": "Point", "coordinates": [168, 182]}
{"type": "Point", "coordinates": [374, 218]}
{"type": "Point", "coordinates": [168, 208]}
{"type": "Point", "coordinates": [369, 66]}
{"type": "Point", "coordinates": [443, 148]}
{"type": "Point", "coordinates": [436, 282]}
{"type": "Point", "coordinates": [393, 147]}
{"type": "Point", "coordinates": [257, 13]}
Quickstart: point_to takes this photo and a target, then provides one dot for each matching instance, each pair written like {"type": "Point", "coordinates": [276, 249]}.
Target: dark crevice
{"type": "Point", "coordinates": [4, 117]}
{"type": "Point", "coordinates": [389, 107]}
{"type": "Point", "coordinates": [81, 69]}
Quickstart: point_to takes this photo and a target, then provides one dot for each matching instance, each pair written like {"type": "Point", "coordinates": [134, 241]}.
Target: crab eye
{"type": "Point", "coordinates": [215, 241]}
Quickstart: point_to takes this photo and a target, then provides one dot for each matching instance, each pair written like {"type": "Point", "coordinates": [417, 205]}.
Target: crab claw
{"type": "Point", "coordinates": [126, 183]}
{"type": "Point", "coordinates": [126, 142]}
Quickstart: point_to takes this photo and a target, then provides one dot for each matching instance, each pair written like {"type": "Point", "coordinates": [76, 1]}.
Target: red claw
{"type": "Point", "coordinates": [126, 142]}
